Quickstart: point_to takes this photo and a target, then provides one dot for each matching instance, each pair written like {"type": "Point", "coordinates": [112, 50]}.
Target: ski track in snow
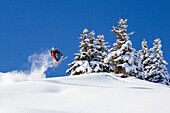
{"type": "Point", "coordinates": [88, 93]}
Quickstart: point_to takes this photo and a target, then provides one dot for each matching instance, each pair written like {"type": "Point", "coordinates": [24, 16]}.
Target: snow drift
{"type": "Point", "coordinates": [88, 93]}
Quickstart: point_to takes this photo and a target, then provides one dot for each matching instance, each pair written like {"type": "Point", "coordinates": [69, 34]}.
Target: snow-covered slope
{"type": "Point", "coordinates": [91, 93]}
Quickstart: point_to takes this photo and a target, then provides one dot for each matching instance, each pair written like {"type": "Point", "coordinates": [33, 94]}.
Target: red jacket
{"type": "Point", "coordinates": [53, 52]}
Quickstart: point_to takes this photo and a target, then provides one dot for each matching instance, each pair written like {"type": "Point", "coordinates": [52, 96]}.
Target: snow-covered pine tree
{"type": "Point", "coordinates": [88, 60]}
{"type": "Point", "coordinates": [158, 72]}
{"type": "Point", "coordinates": [80, 64]}
{"type": "Point", "coordinates": [145, 58]}
{"type": "Point", "coordinates": [126, 60]}
{"type": "Point", "coordinates": [91, 47]}
{"type": "Point", "coordinates": [101, 48]}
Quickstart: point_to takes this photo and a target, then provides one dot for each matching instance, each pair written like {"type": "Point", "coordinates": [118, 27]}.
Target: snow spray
{"type": "Point", "coordinates": [39, 65]}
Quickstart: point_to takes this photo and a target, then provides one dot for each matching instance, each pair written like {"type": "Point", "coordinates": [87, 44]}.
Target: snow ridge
{"type": "Point", "coordinates": [86, 93]}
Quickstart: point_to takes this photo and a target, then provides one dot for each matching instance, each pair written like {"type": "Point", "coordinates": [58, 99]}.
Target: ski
{"type": "Point", "coordinates": [60, 61]}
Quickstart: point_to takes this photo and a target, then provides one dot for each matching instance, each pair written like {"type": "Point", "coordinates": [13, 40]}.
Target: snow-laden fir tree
{"type": "Point", "coordinates": [101, 48]}
{"type": "Point", "coordinates": [91, 46]}
{"type": "Point", "coordinates": [80, 64]}
{"type": "Point", "coordinates": [158, 72]}
{"type": "Point", "coordinates": [145, 58]}
{"type": "Point", "coordinates": [88, 60]}
{"type": "Point", "coordinates": [126, 60]}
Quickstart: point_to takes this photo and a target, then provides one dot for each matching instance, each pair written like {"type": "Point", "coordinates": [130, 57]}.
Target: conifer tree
{"type": "Point", "coordinates": [126, 60]}
{"type": "Point", "coordinates": [91, 49]}
{"type": "Point", "coordinates": [145, 58]}
{"type": "Point", "coordinates": [88, 60]}
{"type": "Point", "coordinates": [80, 64]}
{"type": "Point", "coordinates": [101, 48]}
{"type": "Point", "coordinates": [158, 72]}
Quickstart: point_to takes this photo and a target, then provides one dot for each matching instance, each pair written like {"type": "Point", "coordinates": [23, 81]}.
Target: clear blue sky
{"type": "Point", "coordinates": [33, 26]}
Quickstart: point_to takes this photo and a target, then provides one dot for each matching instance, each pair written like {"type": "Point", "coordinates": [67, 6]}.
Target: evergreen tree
{"type": "Point", "coordinates": [100, 53]}
{"type": "Point", "coordinates": [91, 49]}
{"type": "Point", "coordinates": [158, 72]}
{"type": "Point", "coordinates": [80, 64]}
{"type": "Point", "coordinates": [126, 60]}
{"type": "Point", "coordinates": [145, 58]}
{"type": "Point", "coordinates": [101, 47]}
{"type": "Point", "coordinates": [88, 60]}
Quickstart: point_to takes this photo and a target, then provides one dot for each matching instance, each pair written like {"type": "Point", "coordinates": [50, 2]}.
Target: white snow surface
{"type": "Point", "coordinates": [87, 93]}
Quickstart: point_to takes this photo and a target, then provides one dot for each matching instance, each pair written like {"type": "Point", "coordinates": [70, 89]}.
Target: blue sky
{"type": "Point", "coordinates": [33, 26]}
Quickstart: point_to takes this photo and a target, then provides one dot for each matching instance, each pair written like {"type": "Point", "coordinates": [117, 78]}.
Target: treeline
{"type": "Point", "coordinates": [94, 56]}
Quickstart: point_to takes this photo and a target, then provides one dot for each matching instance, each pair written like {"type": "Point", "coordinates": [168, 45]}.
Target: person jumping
{"type": "Point", "coordinates": [56, 54]}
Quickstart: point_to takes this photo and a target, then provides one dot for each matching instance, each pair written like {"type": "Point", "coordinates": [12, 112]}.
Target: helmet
{"type": "Point", "coordinates": [53, 48]}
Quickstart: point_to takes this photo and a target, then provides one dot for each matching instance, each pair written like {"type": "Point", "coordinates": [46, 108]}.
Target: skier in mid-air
{"type": "Point", "coordinates": [56, 54]}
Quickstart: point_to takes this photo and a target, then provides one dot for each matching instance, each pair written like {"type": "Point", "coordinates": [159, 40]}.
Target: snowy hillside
{"type": "Point", "coordinates": [91, 93]}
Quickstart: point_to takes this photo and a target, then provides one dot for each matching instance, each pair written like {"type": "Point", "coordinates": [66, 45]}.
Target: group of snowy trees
{"type": "Point", "coordinates": [91, 55]}
{"type": "Point", "coordinates": [153, 63]}
{"type": "Point", "coordinates": [122, 58]}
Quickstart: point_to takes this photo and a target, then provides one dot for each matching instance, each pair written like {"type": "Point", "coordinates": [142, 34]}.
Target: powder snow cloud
{"type": "Point", "coordinates": [39, 65]}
